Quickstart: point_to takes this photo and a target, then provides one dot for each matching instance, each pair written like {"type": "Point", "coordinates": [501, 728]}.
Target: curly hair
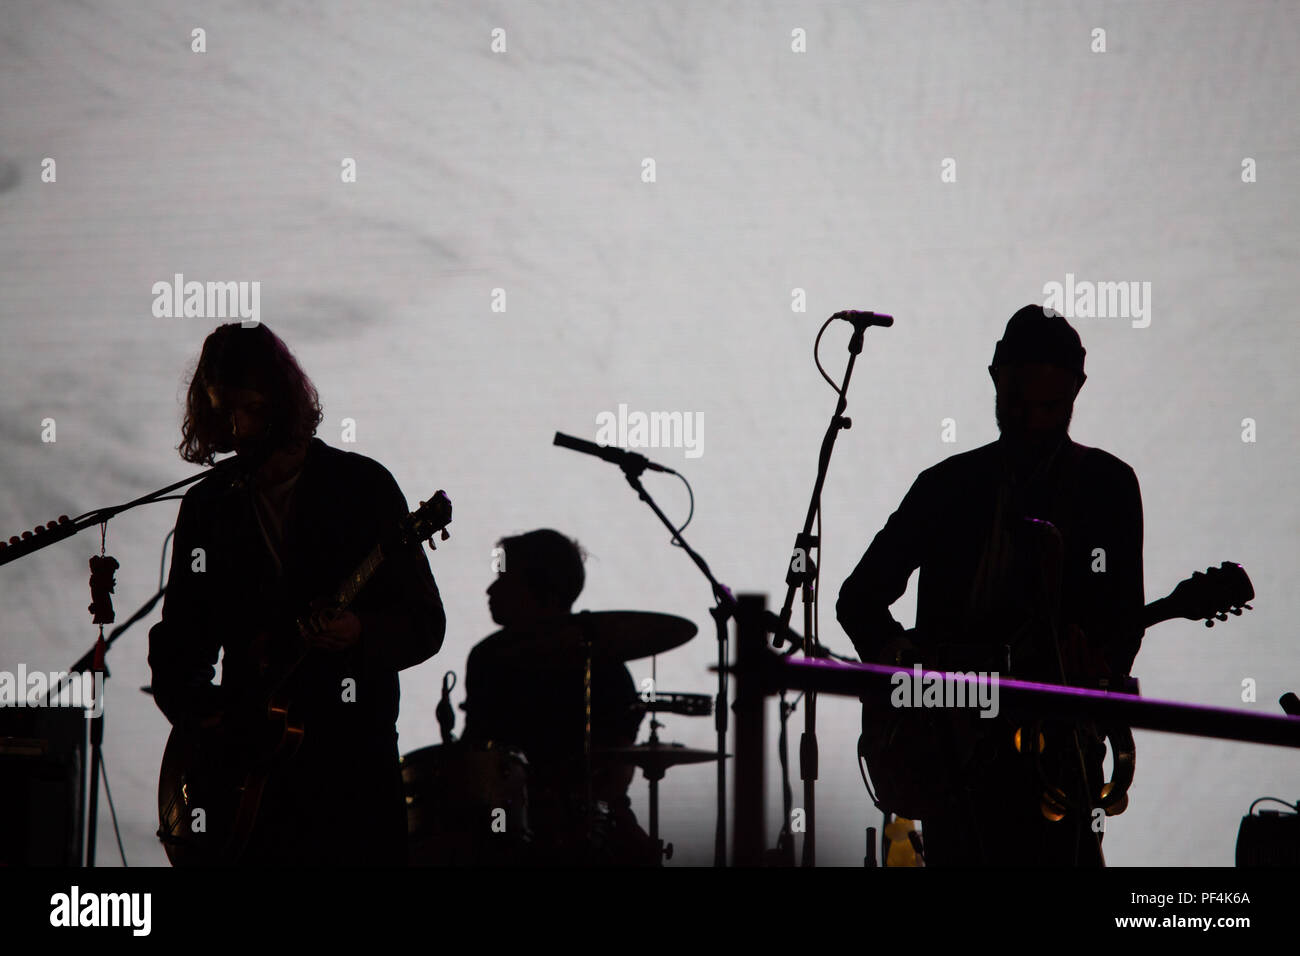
{"type": "Point", "coordinates": [256, 359]}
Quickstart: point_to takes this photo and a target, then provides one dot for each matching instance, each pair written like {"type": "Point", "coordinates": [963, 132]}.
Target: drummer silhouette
{"type": "Point", "coordinates": [525, 689]}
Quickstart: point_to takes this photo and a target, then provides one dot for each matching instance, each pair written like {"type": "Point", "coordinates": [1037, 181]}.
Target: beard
{"type": "Point", "coordinates": [1026, 443]}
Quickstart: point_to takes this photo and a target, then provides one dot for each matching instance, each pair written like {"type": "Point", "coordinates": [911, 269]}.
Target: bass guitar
{"type": "Point", "coordinates": [920, 759]}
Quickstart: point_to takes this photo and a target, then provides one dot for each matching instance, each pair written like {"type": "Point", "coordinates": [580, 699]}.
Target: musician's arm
{"type": "Point", "coordinates": [183, 649]}
{"type": "Point", "coordinates": [881, 576]}
{"type": "Point", "coordinates": [1117, 613]}
{"type": "Point", "coordinates": [402, 618]}
{"type": "Point", "coordinates": [1131, 587]}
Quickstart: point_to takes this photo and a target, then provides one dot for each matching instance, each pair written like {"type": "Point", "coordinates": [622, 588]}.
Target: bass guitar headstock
{"type": "Point", "coordinates": [1213, 594]}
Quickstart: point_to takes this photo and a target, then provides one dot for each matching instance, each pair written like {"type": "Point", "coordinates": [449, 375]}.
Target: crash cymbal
{"type": "Point", "coordinates": [655, 758]}
{"type": "Point", "coordinates": [614, 635]}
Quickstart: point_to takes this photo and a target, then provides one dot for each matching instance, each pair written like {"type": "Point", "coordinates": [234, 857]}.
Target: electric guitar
{"type": "Point", "coordinates": [919, 759]}
{"type": "Point", "coordinates": [213, 779]}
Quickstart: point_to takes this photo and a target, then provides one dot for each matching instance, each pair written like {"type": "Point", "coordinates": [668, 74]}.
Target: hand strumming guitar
{"type": "Point", "coordinates": [330, 630]}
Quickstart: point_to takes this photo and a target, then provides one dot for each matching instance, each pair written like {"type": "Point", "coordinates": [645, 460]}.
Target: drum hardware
{"type": "Point", "coordinates": [654, 758]}
{"type": "Point", "coordinates": [685, 705]}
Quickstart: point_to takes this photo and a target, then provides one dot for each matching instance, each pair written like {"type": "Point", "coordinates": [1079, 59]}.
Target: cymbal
{"type": "Point", "coordinates": [657, 757]}
{"type": "Point", "coordinates": [615, 636]}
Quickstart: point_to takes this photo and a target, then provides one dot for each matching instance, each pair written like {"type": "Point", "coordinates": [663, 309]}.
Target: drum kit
{"type": "Point", "coordinates": [468, 803]}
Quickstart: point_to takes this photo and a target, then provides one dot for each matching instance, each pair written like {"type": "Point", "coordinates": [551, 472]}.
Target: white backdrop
{"type": "Point", "coordinates": [774, 170]}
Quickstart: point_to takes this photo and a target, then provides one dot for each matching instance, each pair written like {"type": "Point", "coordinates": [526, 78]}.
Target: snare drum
{"type": "Point", "coordinates": [466, 805]}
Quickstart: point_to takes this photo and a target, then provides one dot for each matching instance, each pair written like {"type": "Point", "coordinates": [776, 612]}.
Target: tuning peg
{"type": "Point", "coordinates": [1235, 611]}
{"type": "Point", "coordinates": [1209, 622]}
{"type": "Point", "coordinates": [1222, 615]}
{"type": "Point", "coordinates": [445, 534]}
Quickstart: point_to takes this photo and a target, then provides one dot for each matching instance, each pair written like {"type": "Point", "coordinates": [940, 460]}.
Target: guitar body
{"type": "Point", "coordinates": [920, 759]}
{"type": "Point", "coordinates": [214, 782]}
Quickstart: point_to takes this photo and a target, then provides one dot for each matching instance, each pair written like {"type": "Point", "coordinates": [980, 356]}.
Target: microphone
{"type": "Point", "coordinates": [238, 470]}
{"type": "Point", "coordinates": [615, 456]}
{"type": "Point", "coordinates": [864, 319]}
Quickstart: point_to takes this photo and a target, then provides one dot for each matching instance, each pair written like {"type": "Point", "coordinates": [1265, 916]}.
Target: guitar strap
{"type": "Point", "coordinates": [992, 577]}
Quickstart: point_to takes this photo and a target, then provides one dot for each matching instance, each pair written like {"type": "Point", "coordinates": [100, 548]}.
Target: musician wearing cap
{"type": "Point", "coordinates": [1030, 555]}
{"type": "Point", "coordinates": [525, 688]}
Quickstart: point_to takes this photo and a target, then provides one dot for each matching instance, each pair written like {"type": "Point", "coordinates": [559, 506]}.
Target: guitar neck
{"type": "Point", "coordinates": [1158, 611]}
{"type": "Point", "coordinates": [357, 580]}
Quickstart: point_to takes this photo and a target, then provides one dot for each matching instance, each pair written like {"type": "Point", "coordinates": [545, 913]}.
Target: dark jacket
{"type": "Point", "coordinates": [342, 504]}
{"type": "Point", "coordinates": [339, 799]}
{"type": "Point", "coordinates": [943, 527]}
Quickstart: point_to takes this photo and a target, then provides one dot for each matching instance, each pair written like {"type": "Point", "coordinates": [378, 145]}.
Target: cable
{"type": "Point", "coordinates": [817, 581]}
{"type": "Point", "coordinates": [674, 542]}
{"type": "Point", "coordinates": [103, 772]}
{"type": "Point", "coordinates": [787, 794]}
{"type": "Point", "coordinates": [862, 769]}
{"type": "Point", "coordinates": [817, 360]}
{"type": "Point", "coordinates": [1289, 806]}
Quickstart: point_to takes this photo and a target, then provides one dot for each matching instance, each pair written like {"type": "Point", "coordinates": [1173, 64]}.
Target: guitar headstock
{"type": "Point", "coordinates": [1213, 593]}
{"type": "Point", "coordinates": [431, 517]}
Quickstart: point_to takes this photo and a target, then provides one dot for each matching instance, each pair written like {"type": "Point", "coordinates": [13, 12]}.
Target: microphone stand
{"type": "Point", "coordinates": [94, 660]}
{"type": "Point", "coordinates": [801, 575]}
{"type": "Point", "coordinates": [723, 611]}
{"type": "Point", "coordinates": [633, 466]}
{"type": "Point", "coordinates": [42, 537]}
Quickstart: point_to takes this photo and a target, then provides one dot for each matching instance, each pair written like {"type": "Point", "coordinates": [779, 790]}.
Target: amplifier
{"type": "Point", "coordinates": [42, 785]}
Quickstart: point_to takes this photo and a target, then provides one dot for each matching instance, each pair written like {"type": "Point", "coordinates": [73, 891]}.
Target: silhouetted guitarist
{"type": "Point", "coordinates": [251, 552]}
{"type": "Point", "coordinates": [982, 568]}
